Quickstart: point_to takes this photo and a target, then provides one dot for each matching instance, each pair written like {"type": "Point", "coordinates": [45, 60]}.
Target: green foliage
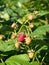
{"type": "Point", "coordinates": [17, 60]}
{"type": "Point", "coordinates": [40, 34]}
{"type": "Point", "coordinates": [17, 11]}
{"type": "Point", "coordinates": [2, 63]}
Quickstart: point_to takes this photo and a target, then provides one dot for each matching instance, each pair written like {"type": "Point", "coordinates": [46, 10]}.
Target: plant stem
{"type": "Point", "coordinates": [44, 57]}
{"type": "Point", "coordinates": [20, 28]}
{"type": "Point", "coordinates": [1, 60]}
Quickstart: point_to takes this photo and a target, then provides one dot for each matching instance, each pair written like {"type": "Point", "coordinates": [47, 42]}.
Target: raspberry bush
{"type": "Point", "coordinates": [24, 32]}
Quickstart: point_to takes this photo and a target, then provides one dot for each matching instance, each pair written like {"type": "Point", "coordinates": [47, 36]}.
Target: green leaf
{"type": "Point", "coordinates": [34, 63]}
{"type": "Point", "coordinates": [22, 59]}
{"type": "Point", "coordinates": [2, 63]}
{"type": "Point", "coordinates": [7, 45]}
{"type": "Point", "coordinates": [42, 13]}
{"type": "Point", "coordinates": [40, 32]}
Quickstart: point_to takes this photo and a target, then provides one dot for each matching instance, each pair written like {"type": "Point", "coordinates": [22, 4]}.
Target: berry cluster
{"type": "Point", "coordinates": [27, 39]}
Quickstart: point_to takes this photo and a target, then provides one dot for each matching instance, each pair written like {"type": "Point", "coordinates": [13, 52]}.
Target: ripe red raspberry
{"type": "Point", "coordinates": [21, 37]}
